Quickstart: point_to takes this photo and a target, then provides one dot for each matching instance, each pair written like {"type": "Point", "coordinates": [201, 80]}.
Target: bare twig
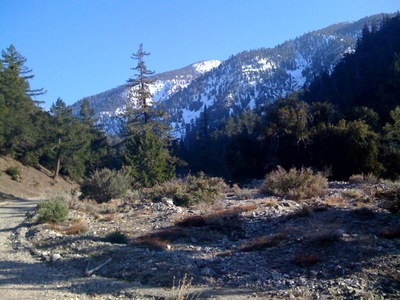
{"type": "Point", "coordinates": [90, 272]}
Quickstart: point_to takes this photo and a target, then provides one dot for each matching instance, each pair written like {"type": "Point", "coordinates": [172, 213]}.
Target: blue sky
{"type": "Point", "coordinates": [79, 48]}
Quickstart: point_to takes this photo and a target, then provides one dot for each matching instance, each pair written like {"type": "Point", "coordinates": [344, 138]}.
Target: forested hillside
{"type": "Point", "coordinates": [56, 139]}
{"type": "Point", "coordinates": [346, 121]}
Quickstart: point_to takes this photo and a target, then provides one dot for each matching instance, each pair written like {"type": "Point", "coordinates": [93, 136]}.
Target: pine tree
{"type": "Point", "coordinates": [71, 142]}
{"type": "Point", "coordinates": [138, 108]}
{"type": "Point", "coordinates": [17, 133]}
{"type": "Point", "coordinates": [146, 135]}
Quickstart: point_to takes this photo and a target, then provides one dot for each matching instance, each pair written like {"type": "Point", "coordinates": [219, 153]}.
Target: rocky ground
{"type": "Point", "coordinates": [344, 245]}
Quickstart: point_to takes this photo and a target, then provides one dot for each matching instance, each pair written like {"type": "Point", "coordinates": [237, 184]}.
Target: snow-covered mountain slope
{"type": "Point", "coordinates": [247, 80]}
{"type": "Point", "coordinates": [109, 105]}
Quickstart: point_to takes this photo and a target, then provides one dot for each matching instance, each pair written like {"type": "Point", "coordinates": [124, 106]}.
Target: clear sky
{"type": "Point", "coordinates": [79, 48]}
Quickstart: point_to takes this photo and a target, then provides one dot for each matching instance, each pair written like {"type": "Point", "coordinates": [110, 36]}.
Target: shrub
{"type": "Point", "coordinates": [105, 184]}
{"type": "Point", "coordinates": [364, 178]}
{"type": "Point", "coordinates": [78, 227]}
{"type": "Point", "coordinates": [52, 211]}
{"type": "Point", "coordinates": [390, 198]}
{"type": "Point", "coordinates": [242, 194]}
{"type": "Point", "coordinates": [117, 237]}
{"type": "Point", "coordinates": [191, 190]}
{"type": "Point", "coordinates": [14, 173]}
{"type": "Point", "coordinates": [295, 184]}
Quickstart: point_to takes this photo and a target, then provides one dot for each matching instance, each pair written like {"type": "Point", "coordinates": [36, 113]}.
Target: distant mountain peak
{"type": "Point", "coordinates": [206, 65]}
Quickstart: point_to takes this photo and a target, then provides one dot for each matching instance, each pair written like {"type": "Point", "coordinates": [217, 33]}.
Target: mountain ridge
{"type": "Point", "coordinates": [247, 80]}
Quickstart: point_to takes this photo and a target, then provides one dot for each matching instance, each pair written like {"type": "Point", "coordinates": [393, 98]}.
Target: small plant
{"type": "Point", "coordinates": [295, 184]}
{"type": "Point", "coordinates": [181, 292]}
{"type": "Point", "coordinates": [52, 211]}
{"type": "Point", "coordinates": [390, 198]}
{"type": "Point", "coordinates": [117, 237]}
{"type": "Point", "coordinates": [14, 172]}
{"type": "Point", "coordinates": [153, 242]}
{"type": "Point", "coordinates": [242, 193]}
{"type": "Point", "coordinates": [76, 228]}
{"type": "Point", "coordinates": [364, 178]}
{"type": "Point", "coordinates": [106, 184]}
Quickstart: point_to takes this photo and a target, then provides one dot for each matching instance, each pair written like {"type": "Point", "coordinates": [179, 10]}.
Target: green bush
{"type": "Point", "coordinates": [14, 173]}
{"type": "Point", "coordinates": [52, 211]}
{"type": "Point", "coordinates": [105, 184]}
{"type": "Point", "coordinates": [294, 184]}
{"type": "Point", "coordinates": [190, 190]}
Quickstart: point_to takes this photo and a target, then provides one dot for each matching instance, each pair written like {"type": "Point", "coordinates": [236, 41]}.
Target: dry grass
{"type": "Point", "coordinates": [153, 243]}
{"type": "Point", "coordinates": [269, 202]}
{"type": "Point", "coordinates": [364, 178]}
{"type": "Point", "coordinates": [169, 234]}
{"type": "Point", "coordinates": [76, 228]}
{"type": "Point", "coordinates": [105, 217]}
{"type": "Point", "coordinates": [305, 260]}
{"type": "Point", "coordinates": [262, 242]}
{"type": "Point", "coordinates": [247, 207]}
{"type": "Point", "coordinates": [353, 194]}
{"type": "Point", "coordinates": [242, 193]}
{"type": "Point", "coordinates": [336, 201]}
{"type": "Point", "coordinates": [181, 291]}
{"type": "Point", "coordinates": [219, 218]}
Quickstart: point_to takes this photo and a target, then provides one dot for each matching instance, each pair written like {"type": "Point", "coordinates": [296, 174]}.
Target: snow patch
{"type": "Point", "coordinates": [205, 66]}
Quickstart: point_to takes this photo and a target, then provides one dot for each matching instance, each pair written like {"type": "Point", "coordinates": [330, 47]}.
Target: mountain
{"type": "Point", "coordinates": [247, 80]}
{"type": "Point", "coordinates": [110, 104]}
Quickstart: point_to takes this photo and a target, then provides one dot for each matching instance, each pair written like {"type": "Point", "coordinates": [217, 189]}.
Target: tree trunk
{"type": "Point", "coordinates": [58, 163]}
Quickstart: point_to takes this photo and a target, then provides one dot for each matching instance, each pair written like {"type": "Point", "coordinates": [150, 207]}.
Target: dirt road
{"type": "Point", "coordinates": [21, 276]}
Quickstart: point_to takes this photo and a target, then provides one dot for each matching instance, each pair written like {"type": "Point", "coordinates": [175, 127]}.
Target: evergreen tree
{"type": "Point", "coordinates": [71, 142]}
{"type": "Point", "coordinates": [349, 147]}
{"type": "Point", "coordinates": [149, 160]}
{"type": "Point", "coordinates": [390, 152]}
{"type": "Point", "coordinates": [17, 133]}
{"type": "Point", "coordinates": [146, 137]}
{"type": "Point", "coordinates": [138, 108]}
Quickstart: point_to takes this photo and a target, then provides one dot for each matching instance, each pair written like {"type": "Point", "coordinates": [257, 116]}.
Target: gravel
{"type": "Point", "coordinates": [325, 248]}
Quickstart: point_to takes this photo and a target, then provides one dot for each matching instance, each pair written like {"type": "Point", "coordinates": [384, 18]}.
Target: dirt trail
{"type": "Point", "coordinates": [21, 276]}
